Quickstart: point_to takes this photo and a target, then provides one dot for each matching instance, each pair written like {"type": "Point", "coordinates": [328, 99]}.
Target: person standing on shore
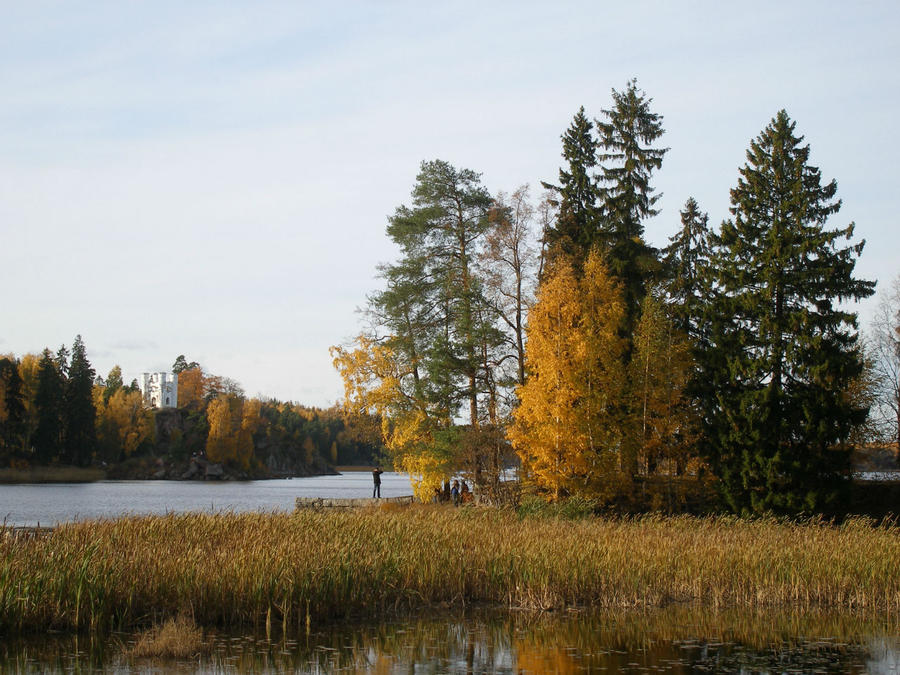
{"type": "Point", "coordinates": [376, 476]}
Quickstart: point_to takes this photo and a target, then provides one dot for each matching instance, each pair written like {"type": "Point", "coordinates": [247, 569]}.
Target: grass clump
{"type": "Point", "coordinates": [570, 509]}
{"type": "Point", "coordinates": [287, 570]}
{"type": "Point", "coordinates": [178, 638]}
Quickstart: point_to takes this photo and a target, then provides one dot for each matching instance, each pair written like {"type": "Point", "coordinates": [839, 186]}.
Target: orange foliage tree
{"type": "Point", "coordinates": [231, 427]}
{"type": "Point", "coordinates": [378, 383]}
{"type": "Point", "coordinates": [568, 427]}
{"type": "Point", "coordinates": [191, 388]}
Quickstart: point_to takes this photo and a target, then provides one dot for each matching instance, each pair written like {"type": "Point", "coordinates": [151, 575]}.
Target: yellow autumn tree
{"type": "Point", "coordinates": [28, 371]}
{"type": "Point", "coordinates": [134, 424]}
{"type": "Point", "coordinates": [567, 429]}
{"type": "Point", "coordinates": [191, 388]}
{"type": "Point", "coordinates": [663, 424]}
{"type": "Point", "coordinates": [377, 382]}
{"type": "Point", "coordinates": [123, 424]}
{"type": "Point", "coordinates": [309, 449]}
{"type": "Point", "coordinates": [230, 437]}
{"type": "Point", "coordinates": [333, 453]}
{"type": "Point", "coordinates": [250, 422]}
{"type": "Point", "coordinates": [218, 440]}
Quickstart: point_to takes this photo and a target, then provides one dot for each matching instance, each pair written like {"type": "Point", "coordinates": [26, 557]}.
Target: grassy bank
{"type": "Point", "coordinates": [51, 474]}
{"type": "Point", "coordinates": [285, 570]}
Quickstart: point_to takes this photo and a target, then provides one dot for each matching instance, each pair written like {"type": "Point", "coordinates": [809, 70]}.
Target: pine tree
{"type": "Point", "coordinates": [181, 364]}
{"type": "Point", "coordinates": [434, 306]}
{"type": "Point", "coordinates": [628, 159]}
{"type": "Point", "coordinates": [782, 352]}
{"type": "Point", "coordinates": [79, 413]}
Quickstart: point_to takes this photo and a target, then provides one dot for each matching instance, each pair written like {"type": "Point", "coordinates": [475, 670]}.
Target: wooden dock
{"type": "Point", "coordinates": [327, 503]}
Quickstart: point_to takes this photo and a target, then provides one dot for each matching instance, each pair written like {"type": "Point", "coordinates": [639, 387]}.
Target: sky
{"type": "Point", "coordinates": [214, 179]}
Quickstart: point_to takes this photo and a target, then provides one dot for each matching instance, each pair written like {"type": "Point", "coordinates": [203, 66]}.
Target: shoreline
{"type": "Point", "coordinates": [159, 470]}
{"type": "Point", "coordinates": [51, 474]}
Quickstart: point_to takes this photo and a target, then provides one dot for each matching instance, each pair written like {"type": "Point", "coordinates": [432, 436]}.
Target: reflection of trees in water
{"type": "Point", "coordinates": [675, 639]}
{"type": "Point", "coordinates": [685, 636]}
{"type": "Point", "coordinates": [678, 639]}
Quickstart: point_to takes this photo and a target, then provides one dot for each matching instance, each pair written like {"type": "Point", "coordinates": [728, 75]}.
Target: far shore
{"type": "Point", "coordinates": [51, 474]}
{"type": "Point", "coordinates": [145, 469]}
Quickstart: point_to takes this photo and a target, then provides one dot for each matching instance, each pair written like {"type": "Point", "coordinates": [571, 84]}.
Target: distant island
{"type": "Point", "coordinates": [61, 422]}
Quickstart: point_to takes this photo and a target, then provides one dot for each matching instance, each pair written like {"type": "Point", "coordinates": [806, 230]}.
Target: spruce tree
{"type": "Point", "coordinates": [49, 400]}
{"type": "Point", "coordinates": [576, 229]}
{"type": "Point", "coordinates": [79, 414]}
{"type": "Point", "coordinates": [685, 265]}
{"type": "Point", "coordinates": [13, 417]}
{"type": "Point", "coordinates": [628, 159]}
{"type": "Point", "coordinates": [782, 349]}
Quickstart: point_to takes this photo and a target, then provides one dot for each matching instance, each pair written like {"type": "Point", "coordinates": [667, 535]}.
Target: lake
{"type": "Point", "coordinates": [53, 503]}
{"type": "Point", "coordinates": [678, 639]}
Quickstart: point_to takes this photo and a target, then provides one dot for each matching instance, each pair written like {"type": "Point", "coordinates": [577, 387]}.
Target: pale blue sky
{"type": "Point", "coordinates": [214, 180]}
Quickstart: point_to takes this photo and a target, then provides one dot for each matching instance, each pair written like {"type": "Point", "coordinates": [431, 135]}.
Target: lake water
{"type": "Point", "coordinates": [49, 504]}
{"type": "Point", "coordinates": [673, 640]}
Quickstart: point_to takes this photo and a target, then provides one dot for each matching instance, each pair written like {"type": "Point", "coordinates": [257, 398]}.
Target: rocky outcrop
{"type": "Point", "coordinates": [327, 503]}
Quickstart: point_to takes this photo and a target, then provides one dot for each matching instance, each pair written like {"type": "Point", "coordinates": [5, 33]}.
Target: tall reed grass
{"type": "Point", "coordinates": [285, 570]}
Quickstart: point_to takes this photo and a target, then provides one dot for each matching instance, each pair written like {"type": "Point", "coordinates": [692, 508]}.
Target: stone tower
{"type": "Point", "coordinates": [160, 390]}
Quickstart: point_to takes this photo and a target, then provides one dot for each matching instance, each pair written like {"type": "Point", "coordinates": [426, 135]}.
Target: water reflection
{"type": "Point", "coordinates": [674, 640]}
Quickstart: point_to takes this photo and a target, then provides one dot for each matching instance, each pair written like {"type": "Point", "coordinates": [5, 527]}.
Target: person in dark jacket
{"type": "Point", "coordinates": [376, 476]}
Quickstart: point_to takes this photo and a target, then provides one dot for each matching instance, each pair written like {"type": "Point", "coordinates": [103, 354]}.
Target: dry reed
{"type": "Point", "coordinates": [289, 569]}
{"type": "Point", "coordinates": [178, 638]}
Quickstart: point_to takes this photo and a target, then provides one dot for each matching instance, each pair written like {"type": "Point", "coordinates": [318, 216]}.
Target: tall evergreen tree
{"type": "Point", "coordinates": [49, 401]}
{"type": "Point", "coordinates": [181, 364]}
{"type": "Point", "coordinates": [434, 337]}
{"type": "Point", "coordinates": [575, 230]}
{"type": "Point", "coordinates": [685, 265]}
{"type": "Point", "coordinates": [79, 413]}
{"type": "Point", "coordinates": [782, 352]}
{"type": "Point", "coordinates": [436, 283]}
{"type": "Point", "coordinates": [62, 361]}
{"type": "Point", "coordinates": [628, 159]}
{"type": "Point", "coordinates": [13, 418]}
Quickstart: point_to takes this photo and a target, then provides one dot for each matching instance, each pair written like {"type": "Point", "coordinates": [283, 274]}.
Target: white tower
{"type": "Point", "coordinates": [160, 390]}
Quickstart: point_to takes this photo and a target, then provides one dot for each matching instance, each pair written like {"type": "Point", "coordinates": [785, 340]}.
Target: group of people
{"type": "Point", "coordinates": [457, 492]}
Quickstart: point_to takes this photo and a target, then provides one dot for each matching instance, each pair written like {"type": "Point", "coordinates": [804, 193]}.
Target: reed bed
{"type": "Point", "coordinates": [286, 570]}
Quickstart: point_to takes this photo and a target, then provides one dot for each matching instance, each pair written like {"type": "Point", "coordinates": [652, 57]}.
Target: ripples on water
{"type": "Point", "coordinates": [675, 640]}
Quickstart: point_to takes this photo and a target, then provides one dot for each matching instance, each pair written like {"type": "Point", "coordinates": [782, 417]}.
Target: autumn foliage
{"type": "Point", "coordinates": [568, 426]}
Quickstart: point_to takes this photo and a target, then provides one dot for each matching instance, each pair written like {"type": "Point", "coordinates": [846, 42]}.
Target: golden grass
{"type": "Point", "coordinates": [178, 638]}
{"type": "Point", "coordinates": [289, 569]}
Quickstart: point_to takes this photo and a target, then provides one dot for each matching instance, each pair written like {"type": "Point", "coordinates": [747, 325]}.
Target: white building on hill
{"type": "Point", "coordinates": [160, 390]}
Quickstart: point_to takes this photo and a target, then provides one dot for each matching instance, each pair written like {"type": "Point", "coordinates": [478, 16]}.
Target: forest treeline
{"type": "Point", "coordinates": [55, 410]}
{"type": "Point", "coordinates": [727, 363]}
